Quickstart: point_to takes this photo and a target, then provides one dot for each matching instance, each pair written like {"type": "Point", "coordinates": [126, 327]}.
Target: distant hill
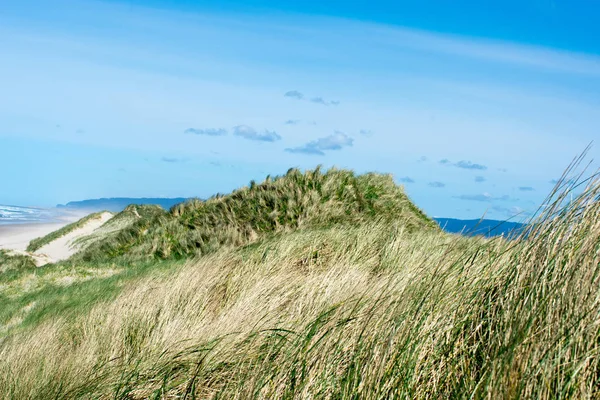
{"type": "Point", "coordinates": [486, 227]}
{"type": "Point", "coordinates": [118, 204]}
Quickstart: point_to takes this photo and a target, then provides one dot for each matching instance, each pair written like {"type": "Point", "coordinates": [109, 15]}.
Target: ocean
{"type": "Point", "coordinates": [26, 215]}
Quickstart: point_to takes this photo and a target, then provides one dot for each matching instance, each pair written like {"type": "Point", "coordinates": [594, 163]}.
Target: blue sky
{"type": "Point", "coordinates": [474, 107]}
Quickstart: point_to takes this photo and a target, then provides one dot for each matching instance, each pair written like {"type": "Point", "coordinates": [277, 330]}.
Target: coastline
{"type": "Point", "coordinates": [16, 236]}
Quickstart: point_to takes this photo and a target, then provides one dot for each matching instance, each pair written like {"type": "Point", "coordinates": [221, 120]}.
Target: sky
{"type": "Point", "coordinates": [475, 107]}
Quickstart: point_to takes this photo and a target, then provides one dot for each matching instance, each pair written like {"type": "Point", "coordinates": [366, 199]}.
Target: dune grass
{"type": "Point", "coordinates": [281, 204]}
{"type": "Point", "coordinates": [14, 262]}
{"type": "Point", "coordinates": [62, 291]}
{"type": "Point", "coordinates": [369, 309]}
{"type": "Point", "coordinates": [137, 240]}
{"type": "Point", "coordinates": [38, 243]}
{"type": "Point", "coordinates": [119, 222]}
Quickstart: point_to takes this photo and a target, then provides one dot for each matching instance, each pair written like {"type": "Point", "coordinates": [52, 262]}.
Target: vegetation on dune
{"type": "Point", "coordinates": [66, 288]}
{"type": "Point", "coordinates": [14, 262]}
{"type": "Point", "coordinates": [38, 243]}
{"type": "Point", "coordinates": [366, 306]}
{"type": "Point", "coordinates": [295, 200]}
{"type": "Point", "coordinates": [125, 247]}
{"type": "Point", "coordinates": [120, 221]}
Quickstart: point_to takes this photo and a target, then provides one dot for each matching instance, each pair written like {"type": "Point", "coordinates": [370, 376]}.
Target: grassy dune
{"type": "Point", "coordinates": [14, 262]}
{"type": "Point", "coordinates": [38, 243]}
{"type": "Point", "coordinates": [375, 303]}
{"type": "Point", "coordinates": [121, 221]}
{"type": "Point", "coordinates": [278, 205]}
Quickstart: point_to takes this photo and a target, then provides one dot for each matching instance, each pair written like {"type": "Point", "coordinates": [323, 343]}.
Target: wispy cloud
{"type": "Point", "coordinates": [464, 165]}
{"type": "Point", "coordinates": [207, 131]}
{"type": "Point", "coordinates": [337, 141]}
{"type": "Point", "coordinates": [437, 184]}
{"type": "Point", "coordinates": [422, 159]}
{"type": "Point", "coordinates": [526, 189]}
{"type": "Point", "coordinates": [406, 179]}
{"type": "Point", "coordinates": [484, 197]}
{"type": "Point", "coordinates": [80, 131]}
{"type": "Point", "coordinates": [320, 100]}
{"type": "Point", "coordinates": [511, 212]}
{"type": "Point", "coordinates": [469, 165]}
{"type": "Point", "coordinates": [568, 181]}
{"type": "Point", "coordinates": [496, 51]}
{"type": "Point", "coordinates": [292, 122]}
{"type": "Point", "coordinates": [294, 94]}
{"type": "Point", "coordinates": [306, 149]}
{"type": "Point", "coordinates": [250, 133]}
{"type": "Point", "coordinates": [171, 160]}
{"type": "Point", "coordinates": [365, 132]}
{"type": "Point", "coordinates": [479, 179]}
{"type": "Point", "coordinates": [476, 197]}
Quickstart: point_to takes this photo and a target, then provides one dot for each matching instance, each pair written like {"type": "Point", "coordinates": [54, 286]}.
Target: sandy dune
{"type": "Point", "coordinates": [62, 248]}
{"type": "Point", "coordinates": [38, 259]}
{"type": "Point", "coordinates": [17, 237]}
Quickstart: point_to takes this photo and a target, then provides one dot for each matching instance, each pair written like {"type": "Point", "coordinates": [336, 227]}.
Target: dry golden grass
{"type": "Point", "coordinates": [371, 310]}
{"type": "Point", "coordinates": [282, 283]}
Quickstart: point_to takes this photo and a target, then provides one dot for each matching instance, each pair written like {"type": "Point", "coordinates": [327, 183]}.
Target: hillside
{"type": "Point", "coordinates": [317, 285]}
{"type": "Point", "coordinates": [118, 204]}
{"type": "Point", "coordinates": [486, 227]}
{"type": "Point", "coordinates": [279, 204]}
{"type": "Point", "coordinates": [38, 243]}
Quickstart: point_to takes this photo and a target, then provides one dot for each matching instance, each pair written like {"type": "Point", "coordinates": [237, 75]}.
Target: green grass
{"type": "Point", "coordinates": [119, 222]}
{"type": "Point", "coordinates": [64, 291]}
{"type": "Point", "coordinates": [14, 262]}
{"type": "Point", "coordinates": [38, 243]}
{"type": "Point", "coordinates": [323, 303]}
{"type": "Point", "coordinates": [281, 204]}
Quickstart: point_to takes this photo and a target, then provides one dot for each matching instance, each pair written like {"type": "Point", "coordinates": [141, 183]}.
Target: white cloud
{"type": "Point", "coordinates": [250, 133]}
{"type": "Point", "coordinates": [336, 141]}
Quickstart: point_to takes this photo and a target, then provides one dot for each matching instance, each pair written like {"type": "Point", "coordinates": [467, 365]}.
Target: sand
{"type": "Point", "coordinates": [63, 248]}
{"type": "Point", "coordinates": [17, 237]}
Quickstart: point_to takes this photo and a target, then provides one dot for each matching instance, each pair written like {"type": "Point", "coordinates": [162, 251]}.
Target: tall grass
{"type": "Point", "coordinates": [14, 262]}
{"type": "Point", "coordinates": [281, 204]}
{"type": "Point", "coordinates": [371, 310]}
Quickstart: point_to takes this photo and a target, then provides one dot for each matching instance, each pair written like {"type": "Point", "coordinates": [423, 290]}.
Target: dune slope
{"type": "Point", "coordinates": [64, 246]}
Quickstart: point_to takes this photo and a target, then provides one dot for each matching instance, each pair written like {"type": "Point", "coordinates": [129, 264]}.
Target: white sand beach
{"type": "Point", "coordinates": [18, 236]}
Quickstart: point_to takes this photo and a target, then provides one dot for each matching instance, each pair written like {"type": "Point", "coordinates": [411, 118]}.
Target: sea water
{"type": "Point", "coordinates": [24, 215]}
